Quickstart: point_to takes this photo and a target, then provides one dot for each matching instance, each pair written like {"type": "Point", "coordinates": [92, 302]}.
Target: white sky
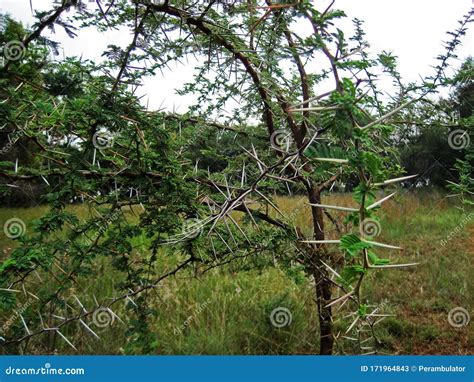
{"type": "Point", "coordinates": [412, 29]}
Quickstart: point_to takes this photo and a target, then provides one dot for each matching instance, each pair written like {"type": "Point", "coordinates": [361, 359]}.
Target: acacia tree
{"type": "Point", "coordinates": [202, 184]}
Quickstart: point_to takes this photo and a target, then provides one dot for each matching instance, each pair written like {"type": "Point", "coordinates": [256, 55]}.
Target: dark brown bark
{"type": "Point", "coordinates": [323, 296]}
{"type": "Point", "coordinates": [321, 279]}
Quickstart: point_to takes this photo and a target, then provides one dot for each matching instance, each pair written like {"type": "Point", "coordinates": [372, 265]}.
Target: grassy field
{"type": "Point", "coordinates": [227, 313]}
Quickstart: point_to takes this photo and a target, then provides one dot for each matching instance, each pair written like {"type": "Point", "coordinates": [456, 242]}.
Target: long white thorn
{"type": "Point", "coordinates": [382, 245]}
{"type": "Point", "coordinates": [350, 338]}
{"type": "Point", "coordinates": [395, 180]}
{"type": "Point", "coordinates": [80, 304]}
{"type": "Point", "coordinates": [334, 207]}
{"type": "Point", "coordinates": [393, 265]}
{"type": "Point", "coordinates": [352, 325]}
{"type": "Point", "coordinates": [260, 164]}
{"type": "Point", "coordinates": [89, 329]}
{"type": "Point", "coordinates": [334, 160]}
{"type": "Point", "coordinates": [389, 114]}
{"type": "Point", "coordinates": [229, 230]}
{"type": "Point", "coordinates": [65, 339]}
{"type": "Point", "coordinates": [315, 108]}
{"type": "Point", "coordinates": [227, 187]}
{"type": "Point", "coordinates": [113, 314]}
{"type": "Point", "coordinates": [41, 319]}
{"type": "Point", "coordinates": [331, 269]}
{"type": "Point", "coordinates": [238, 227]}
{"type": "Point", "coordinates": [380, 201]}
{"type": "Point", "coordinates": [269, 202]}
{"type": "Point", "coordinates": [33, 295]}
{"type": "Point", "coordinates": [321, 241]}
{"type": "Point", "coordinates": [315, 98]}
{"type": "Point", "coordinates": [342, 298]}
{"type": "Point", "coordinates": [24, 324]}
{"type": "Point", "coordinates": [133, 302]}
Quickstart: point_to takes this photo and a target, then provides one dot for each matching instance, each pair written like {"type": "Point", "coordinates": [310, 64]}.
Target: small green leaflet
{"type": "Point", "coordinates": [352, 245]}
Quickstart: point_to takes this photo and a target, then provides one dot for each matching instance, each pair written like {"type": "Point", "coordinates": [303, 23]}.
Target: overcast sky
{"type": "Point", "coordinates": [412, 29]}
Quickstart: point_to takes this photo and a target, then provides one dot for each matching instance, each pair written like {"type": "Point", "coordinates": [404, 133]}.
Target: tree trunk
{"type": "Point", "coordinates": [321, 278]}
{"type": "Point", "coordinates": [323, 296]}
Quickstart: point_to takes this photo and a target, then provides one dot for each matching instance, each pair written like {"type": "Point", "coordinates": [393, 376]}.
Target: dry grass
{"type": "Point", "coordinates": [235, 321]}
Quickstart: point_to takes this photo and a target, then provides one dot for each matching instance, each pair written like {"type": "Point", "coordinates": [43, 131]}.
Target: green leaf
{"type": "Point", "coordinates": [362, 310]}
{"type": "Point", "coordinates": [351, 273]}
{"type": "Point", "coordinates": [376, 260]}
{"type": "Point", "coordinates": [352, 245]}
